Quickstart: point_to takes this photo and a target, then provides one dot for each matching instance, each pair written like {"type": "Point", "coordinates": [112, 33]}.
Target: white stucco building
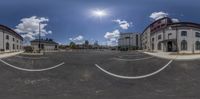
{"type": "Point", "coordinates": [129, 41]}
{"type": "Point", "coordinates": [46, 45]}
{"type": "Point", "coordinates": [9, 40]}
{"type": "Point", "coordinates": [168, 36]}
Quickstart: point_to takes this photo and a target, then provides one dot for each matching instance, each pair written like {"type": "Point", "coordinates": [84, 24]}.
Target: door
{"type": "Point", "coordinates": [169, 46]}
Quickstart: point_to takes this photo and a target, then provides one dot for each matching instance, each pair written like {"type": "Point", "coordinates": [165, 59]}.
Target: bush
{"type": "Point", "coordinates": [1, 50]}
{"type": "Point", "coordinates": [28, 49]}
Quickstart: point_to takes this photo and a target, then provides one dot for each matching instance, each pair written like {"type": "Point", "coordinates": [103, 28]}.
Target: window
{"type": "Point", "coordinates": [183, 45]}
{"type": "Point", "coordinates": [159, 46]}
{"type": "Point", "coordinates": [7, 37]}
{"type": "Point", "coordinates": [41, 46]}
{"type": "Point", "coordinates": [159, 37]}
{"type": "Point", "coordinates": [197, 34]}
{"type": "Point", "coordinates": [13, 39]}
{"type": "Point", "coordinates": [7, 46]}
{"type": "Point", "coordinates": [162, 25]}
{"type": "Point", "coordinates": [17, 41]}
{"type": "Point", "coordinates": [183, 33]}
{"type": "Point", "coordinates": [17, 47]}
{"type": "Point", "coordinates": [13, 46]}
{"type": "Point", "coordinates": [152, 39]}
{"type": "Point", "coordinates": [169, 35]}
{"type": "Point", "coordinates": [197, 45]}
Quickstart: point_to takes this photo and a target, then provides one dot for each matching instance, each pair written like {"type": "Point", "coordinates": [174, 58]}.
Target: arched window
{"type": "Point", "coordinates": [197, 45]}
{"type": "Point", "coordinates": [183, 45]}
{"type": "Point", "coordinates": [7, 37]}
{"type": "Point", "coordinates": [7, 46]}
{"type": "Point", "coordinates": [159, 46]}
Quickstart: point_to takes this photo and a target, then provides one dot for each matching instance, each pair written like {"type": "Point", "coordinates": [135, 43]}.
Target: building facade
{"type": "Point", "coordinates": [168, 36]}
{"type": "Point", "coordinates": [9, 40]}
{"type": "Point", "coordinates": [129, 41]}
{"type": "Point", "coordinates": [46, 45]}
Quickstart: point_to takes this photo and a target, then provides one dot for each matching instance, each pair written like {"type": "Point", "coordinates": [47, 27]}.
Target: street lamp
{"type": "Point", "coordinates": [39, 38]}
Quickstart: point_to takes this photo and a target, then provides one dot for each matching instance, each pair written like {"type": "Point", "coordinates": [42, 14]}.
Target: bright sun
{"type": "Point", "coordinates": [99, 13]}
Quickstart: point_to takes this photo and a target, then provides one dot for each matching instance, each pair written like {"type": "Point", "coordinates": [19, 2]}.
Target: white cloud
{"type": "Point", "coordinates": [158, 15]}
{"type": "Point", "coordinates": [112, 37]}
{"type": "Point", "coordinates": [29, 27]}
{"type": "Point", "coordinates": [78, 40]}
{"type": "Point", "coordinates": [175, 20]}
{"type": "Point", "coordinates": [123, 24]}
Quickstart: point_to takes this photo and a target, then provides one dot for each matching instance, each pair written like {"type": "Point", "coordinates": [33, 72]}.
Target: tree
{"type": "Point", "coordinates": [28, 49]}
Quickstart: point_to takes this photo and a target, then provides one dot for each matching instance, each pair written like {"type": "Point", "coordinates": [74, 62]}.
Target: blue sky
{"type": "Point", "coordinates": [72, 19]}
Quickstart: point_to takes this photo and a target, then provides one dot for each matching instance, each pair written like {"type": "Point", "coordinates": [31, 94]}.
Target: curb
{"type": "Point", "coordinates": [6, 55]}
{"type": "Point", "coordinates": [172, 57]}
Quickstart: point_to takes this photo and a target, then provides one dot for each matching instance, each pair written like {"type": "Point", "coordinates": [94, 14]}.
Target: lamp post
{"type": "Point", "coordinates": [39, 38]}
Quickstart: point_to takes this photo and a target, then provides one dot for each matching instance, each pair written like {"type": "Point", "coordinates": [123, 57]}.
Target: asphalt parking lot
{"type": "Point", "coordinates": [79, 78]}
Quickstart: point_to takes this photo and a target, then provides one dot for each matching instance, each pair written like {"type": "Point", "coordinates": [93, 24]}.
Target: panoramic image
{"type": "Point", "coordinates": [99, 49]}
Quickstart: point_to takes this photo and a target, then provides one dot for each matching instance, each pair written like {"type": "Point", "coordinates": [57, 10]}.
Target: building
{"type": "Point", "coordinates": [46, 45]}
{"type": "Point", "coordinates": [9, 40]}
{"type": "Point", "coordinates": [128, 41]}
{"type": "Point", "coordinates": [168, 36]}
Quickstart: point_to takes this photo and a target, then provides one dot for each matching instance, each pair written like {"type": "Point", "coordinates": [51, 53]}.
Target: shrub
{"type": "Point", "coordinates": [28, 49]}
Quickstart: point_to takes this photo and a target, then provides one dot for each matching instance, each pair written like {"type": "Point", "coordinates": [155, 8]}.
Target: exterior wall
{"type": "Point", "coordinates": [145, 37]}
{"type": "Point", "coordinates": [1, 40]}
{"type": "Point", "coordinates": [165, 34]}
{"type": "Point", "coordinates": [15, 45]}
{"type": "Point", "coordinates": [129, 39]}
{"type": "Point", "coordinates": [47, 47]}
{"type": "Point", "coordinates": [173, 34]}
{"type": "Point", "coordinates": [190, 38]}
{"type": "Point", "coordinates": [170, 37]}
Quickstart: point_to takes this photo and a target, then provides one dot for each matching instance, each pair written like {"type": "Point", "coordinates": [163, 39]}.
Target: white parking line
{"type": "Point", "coordinates": [32, 70]}
{"type": "Point", "coordinates": [121, 59]}
{"type": "Point", "coordinates": [134, 77]}
{"type": "Point", "coordinates": [31, 58]}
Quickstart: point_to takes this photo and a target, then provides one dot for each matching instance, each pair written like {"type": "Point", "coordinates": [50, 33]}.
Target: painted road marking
{"type": "Point", "coordinates": [31, 58]}
{"type": "Point", "coordinates": [32, 70]}
{"type": "Point", "coordinates": [134, 77]}
{"type": "Point", "coordinates": [121, 59]}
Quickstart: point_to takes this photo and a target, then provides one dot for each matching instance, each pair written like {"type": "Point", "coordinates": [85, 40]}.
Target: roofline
{"type": "Point", "coordinates": [7, 28]}
{"type": "Point", "coordinates": [192, 23]}
{"type": "Point", "coordinates": [130, 33]}
{"type": "Point", "coordinates": [153, 23]}
{"type": "Point", "coordinates": [35, 41]}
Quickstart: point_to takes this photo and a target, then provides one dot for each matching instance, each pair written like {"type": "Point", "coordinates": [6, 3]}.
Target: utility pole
{"type": "Point", "coordinates": [39, 38]}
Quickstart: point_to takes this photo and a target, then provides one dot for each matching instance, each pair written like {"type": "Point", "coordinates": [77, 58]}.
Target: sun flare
{"type": "Point", "coordinates": [99, 13]}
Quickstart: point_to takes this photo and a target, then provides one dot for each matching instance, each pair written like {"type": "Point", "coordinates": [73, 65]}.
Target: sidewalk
{"type": "Point", "coordinates": [4, 55]}
{"type": "Point", "coordinates": [167, 55]}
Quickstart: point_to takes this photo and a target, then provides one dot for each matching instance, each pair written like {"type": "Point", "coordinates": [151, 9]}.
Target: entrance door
{"type": "Point", "coordinates": [169, 46]}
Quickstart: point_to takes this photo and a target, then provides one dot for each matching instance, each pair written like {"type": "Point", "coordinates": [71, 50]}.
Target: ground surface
{"type": "Point", "coordinates": [78, 78]}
